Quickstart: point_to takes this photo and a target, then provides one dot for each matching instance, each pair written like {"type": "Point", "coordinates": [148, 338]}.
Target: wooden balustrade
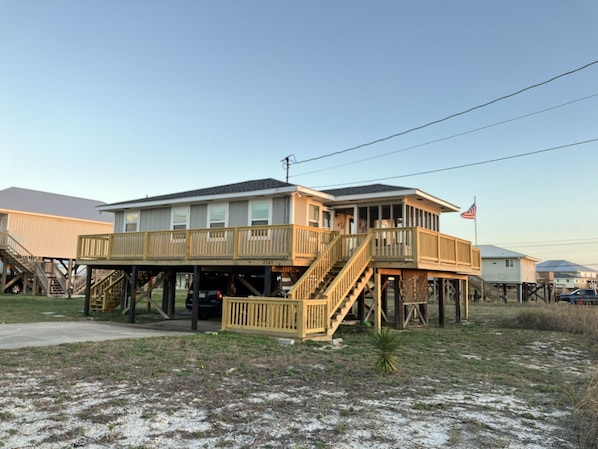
{"type": "Point", "coordinates": [278, 242]}
{"type": "Point", "coordinates": [317, 270]}
{"type": "Point", "coordinates": [345, 280]}
{"type": "Point", "coordinates": [275, 315]}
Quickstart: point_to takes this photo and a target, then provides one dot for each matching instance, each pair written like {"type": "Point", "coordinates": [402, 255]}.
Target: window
{"type": "Point", "coordinates": [313, 216]}
{"type": "Point", "coordinates": [217, 219]}
{"type": "Point", "coordinates": [131, 221]}
{"type": "Point", "coordinates": [509, 263]}
{"type": "Point", "coordinates": [217, 215]}
{"type": "Point", "coordinates": [259, 213]}
{"type": "Point", "coordinates": [180, 218]}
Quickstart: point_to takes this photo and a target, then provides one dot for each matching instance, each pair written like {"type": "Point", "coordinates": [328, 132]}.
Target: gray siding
{"type": "Point", "coordinates": [154, 219]}
{"type": "Point", "coordinates": [199, 216]}
{"type": "Point", "coordinates": [238, 213]}
{"type": "Point", "coordinates": [280, 210]}
{"type": "Point", "coordinates": [119, 221]}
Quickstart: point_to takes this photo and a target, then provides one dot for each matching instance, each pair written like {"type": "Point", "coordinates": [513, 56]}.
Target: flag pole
{"type": "Point", "coordinates": [475, 221]}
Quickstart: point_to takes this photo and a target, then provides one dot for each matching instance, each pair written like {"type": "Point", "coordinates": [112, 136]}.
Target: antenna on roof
{"type": "Point", "coordinates": [286, 163]}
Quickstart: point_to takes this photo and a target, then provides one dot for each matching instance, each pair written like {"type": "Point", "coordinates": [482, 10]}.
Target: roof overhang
{"type": "Point", "coordinates": [142, 203]}
{"type": "Point", "coordinates": [411, 194]}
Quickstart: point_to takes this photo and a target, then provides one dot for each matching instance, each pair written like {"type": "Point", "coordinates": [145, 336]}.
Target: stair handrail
{"type": "Point", "coordinates": [98, 287]}
{"type": "Point", "coordinates": [42, 277]}
{"type": "Point", "coordinates": [12, 245]}
{"type": "Point", "coordinates": [317, 270]}
{"type": "Point", "coordinates": [345, 280]}
{"type": "Point", "coordinates": [59, 276]}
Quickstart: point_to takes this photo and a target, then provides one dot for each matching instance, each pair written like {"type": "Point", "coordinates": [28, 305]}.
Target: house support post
{"type": "Point", "coordinates": [87, 291]}
{"type": "Point", "coordinates": [69, 279]}
{"type": "Point", "coordinates": [466, 299]}
{"type": "Point", "coordinates": [457, 285]}
{"type": "Point", "coordinates": [171, 299]}
{"type": "Point", "coordinates": [378, 301]}
{"type": "Point", "coordinates": [133, 294]}
{"type": "Point", "coordinates": [384, 298]}
{"type": "Point", "coordinates": [399, 306]}
{"type": "Point", "coordinates": [165, 294]}
{"type": "Point", "coordinates": [195, 298]}
{"type": "Point", "coordinates": [519, 293]}
{"type": "Point", "coordinates": [441, 302]}
{"type": "Point", "coordinates": [267, 281]}
{"type": "Point", "coordinates": [3, 279]}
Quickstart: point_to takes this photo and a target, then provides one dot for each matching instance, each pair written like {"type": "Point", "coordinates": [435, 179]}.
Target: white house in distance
{"type": "Point", "coordinates": [566, 275]}
{"type": "Point", "coordinates": [508, 269]}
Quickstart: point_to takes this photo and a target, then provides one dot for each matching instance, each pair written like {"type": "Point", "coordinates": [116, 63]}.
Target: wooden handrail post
{"type": "Point", "coordinates": [236, 243]}
{"type": "Point", "coordinates": [188, 241]}
{"type": "Point", "coordinates": [146, 245]}
{"type": "Point", "coordinates": [301, 317]}
{"type": "Point", "coordinates": [110, 246]}
{"type": "Point", "coordinates": [416, 243]}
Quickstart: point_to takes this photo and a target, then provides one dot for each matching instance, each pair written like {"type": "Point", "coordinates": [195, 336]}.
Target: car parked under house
{"type": "Point", "coordinates": [318, 255]}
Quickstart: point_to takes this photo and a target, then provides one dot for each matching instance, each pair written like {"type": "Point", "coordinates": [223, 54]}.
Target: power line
{"type": "Point", "coordinates": [550, 242]}
{"type": "Point", "coordinates": [472, 164]}
{"type": "Point", "coordinates": [442, 138]}
{"type": "Point", "coordinates": [504, 97]}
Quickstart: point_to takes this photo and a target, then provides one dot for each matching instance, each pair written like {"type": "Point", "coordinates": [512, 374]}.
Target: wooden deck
{"type": "Point", "coordinates": [283, 245]}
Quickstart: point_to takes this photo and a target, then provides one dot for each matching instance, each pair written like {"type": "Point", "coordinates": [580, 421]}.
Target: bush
{"type": "Point", "coordinates": [386, 342]}
{"type": "Point", "coordinates": [586, 414]}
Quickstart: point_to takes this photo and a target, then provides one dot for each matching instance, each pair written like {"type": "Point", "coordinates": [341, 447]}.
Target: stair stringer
{"type": "Point", "coordinates": [348, 284]}
{"type": "Point", "coordinates": [341, 312]}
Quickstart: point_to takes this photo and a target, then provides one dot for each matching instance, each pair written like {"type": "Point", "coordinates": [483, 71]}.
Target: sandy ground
{"type": "Point", "coordinates": [38, 411]}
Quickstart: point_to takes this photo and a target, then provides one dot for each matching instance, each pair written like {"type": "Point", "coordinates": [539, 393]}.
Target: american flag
{"type": "Point", "coordinates": [470, 213]}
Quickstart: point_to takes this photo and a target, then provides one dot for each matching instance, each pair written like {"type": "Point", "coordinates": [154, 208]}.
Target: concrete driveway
{"type": "Point", "coordinates": [21, 335]}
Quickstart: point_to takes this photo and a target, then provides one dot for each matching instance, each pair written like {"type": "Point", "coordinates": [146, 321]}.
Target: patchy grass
{"type": "Point", "coordinates": [508, 375]}
{"type": "Point", "coordinates": [33, 309]}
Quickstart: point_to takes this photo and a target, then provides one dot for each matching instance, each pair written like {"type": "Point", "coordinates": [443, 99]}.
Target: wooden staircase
{"type": "Point", "coordinates": [105, 293]}
{"type": "Point", "coordinates": [339, 276]}
{"type": "Point", "coordinates": [24, 265]}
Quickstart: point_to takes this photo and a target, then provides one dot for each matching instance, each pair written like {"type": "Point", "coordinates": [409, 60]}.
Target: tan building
{"type": "Point", "coordinates": [38, 238]}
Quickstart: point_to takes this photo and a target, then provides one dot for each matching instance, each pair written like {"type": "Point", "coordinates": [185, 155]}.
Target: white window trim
{"type": "Point", "coordinates": [250, 218]}
{"type": "Point", "coordinates": [188, 213]}
{"type": "Point", "coordinates": [320, 207]}
{"type": "Point", "coordinates": [211, 206]}
{"type": "Point", "coordinates": [125, 222]}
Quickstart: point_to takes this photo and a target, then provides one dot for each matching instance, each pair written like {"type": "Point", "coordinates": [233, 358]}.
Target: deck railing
{"type": "Point", "coordinates": [275, 315]}
{"type": "Point", "coordinates": [277, 242]}
{"type": "Point", "coordinates": [268, 242]}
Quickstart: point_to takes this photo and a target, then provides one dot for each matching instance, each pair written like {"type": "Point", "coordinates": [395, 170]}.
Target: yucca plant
{"type": "Point", "coordinates": [386, 342]}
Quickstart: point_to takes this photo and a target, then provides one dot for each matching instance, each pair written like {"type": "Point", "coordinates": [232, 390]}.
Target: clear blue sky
{"type": "Point", "coordinates": [115, 100]}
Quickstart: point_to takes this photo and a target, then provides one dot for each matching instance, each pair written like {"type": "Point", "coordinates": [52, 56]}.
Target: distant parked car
{"type": "Point", "coordinates": [209, 301]}
{"type": "Point", "coordinates": [581, 296]}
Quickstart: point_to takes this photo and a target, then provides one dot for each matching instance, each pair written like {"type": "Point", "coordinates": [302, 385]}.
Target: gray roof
{"type": "Point", "coordinates": [240, 187]}
{"type": "Point", "coordinates": [358, 190]}
{"type": "Point", "coordinates": [562, 266]}
{"type": "Point", "coordinates": [33, 201]}
{"type": "Point", "coordinates": [496, 252]}
{"type": "Point", "coordinates": [269, 185]}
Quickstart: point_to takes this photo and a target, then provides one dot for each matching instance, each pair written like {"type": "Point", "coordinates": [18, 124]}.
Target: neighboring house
{"type": "Point", "coordinates": [508, 269]}
{"type": "Point", "coordinates": [319, 250]}
{"type": "Point", "coordinates": [38, 238]}
{"type": "Point", "coordinates": [566, 275]}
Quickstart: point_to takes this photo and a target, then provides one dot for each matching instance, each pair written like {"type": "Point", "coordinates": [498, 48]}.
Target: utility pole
{"type": "Point", "coordinates": [286, 163]}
